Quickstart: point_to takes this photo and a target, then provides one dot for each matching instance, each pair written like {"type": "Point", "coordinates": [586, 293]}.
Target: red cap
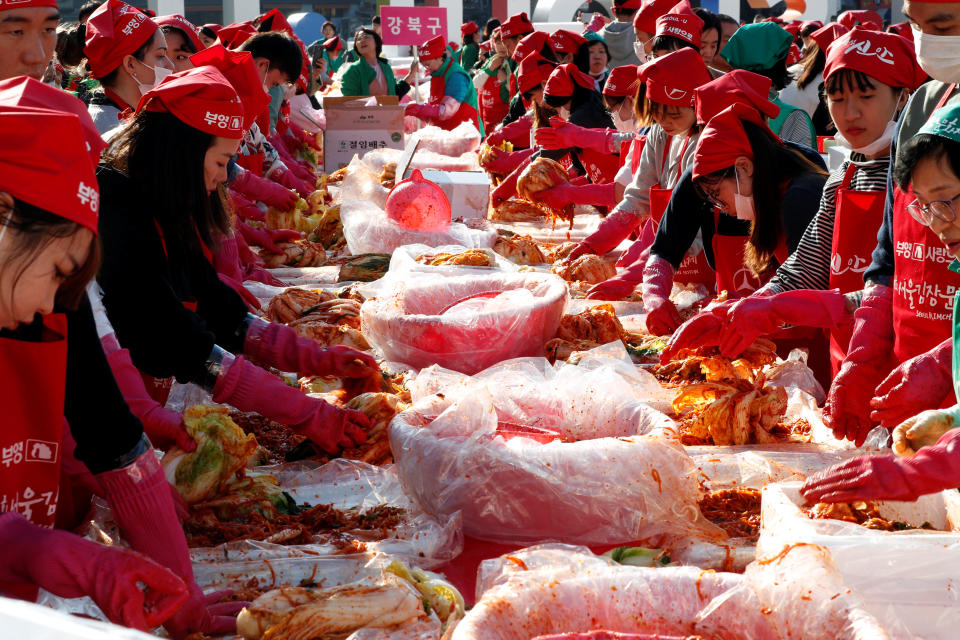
{"type": "Point", "coordinates": [673, 78]}
{"type": "Point", "coordinates": [486, 45]}
{"type": "Point", "coordinates": [681, 22]}
{"type": "Point", "coordinates": [333, 44]}
{"type": "Point", "coordinates": [115, 30]}
{"type": "Point", "coordinates": [202, 98]}
{"type": "Point", "coordinates": [810, 23]}
{"type": "Point", "coordinates": [630, 5]}
{"type": "Point", "coordinates": [6, 5]}
{"type": "Point", "coordinates": [468, 28]}
{"type": "Point", "coordinates": [562, 80]}
{"type": "Point", "coordinates": [237, 67]}
{"type": "Point", "coordinates": [274, 20]}
{"type": "Point", "coordinates": [234, 35]}
{"type": "Point", "coordinates": [792, 28]}
{"type": "Point", "coordinates": [216, 28]}
{"type": "Point", "coordinates": [887, 57]}
{"type": "Point", "coordinates": [622, 81]}
{"type": "Point", "coordinates": [650, 10]}
{"type": "Point", "coordinates": [530, 43]}
{"type": "Point", "coordinates": [563, 41]}
{"type": "Point", "coordinates": [516, 25]}
{"type": "Point", "coordinates": [738, 86]}
{"type": "Point", "coordinates": [827, 34]}
{"type": "Point", "coordinates": [724, 139]}
{"type": "Point", "coordinates": [793, 54]}
{"type": "Point", "coordinates": [864, 17]}
{"type": "Point", "coordinates": [902, 29]}
{"type": "Point", "coordinates": [45, 163]}
{"type": "Point", "coordinates": [433, 48]}
{"type": "Point", "coordinates": [181, 23]}
{"type": "Point", "coordinates": [534, 70]}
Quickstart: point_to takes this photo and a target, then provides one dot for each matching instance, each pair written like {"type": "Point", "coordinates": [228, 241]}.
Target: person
{"type": "Point", "coordinates": [867, 18]}
{"type": "Point", "coordinates": [453, 98]}
{"type": "Point", "coordinates": [469, 48]}
{"type": "Point", "coordinates": [328, 29]}
{"type": "Point", "coordinates": [678, 28]}
{"type": "Point", "coordinates": [29, 52]}
{"type": "Point", "coordinates": [709, 35]}
{"type": "Point", "coordinates": [807, 29]}
{"type": "Point", "coordinates": [728, 26]}
{"type": "Point", "coordinates": [335, 54]}
{"type": "Point", "coordinates": [768, 193]}
{"type": "Point", "coordinates": [898, 363]}
{"type": "Point", "coordinates": [87, 8]}
{"type": "Point", "coordinates": [209, 33]}
{"type": "Point", "coordinates": [182, 40]}
{"type": "Point", "coordinates": [806, 91]}
{"type": "Point", "coordinates": [589, 9]}
{"type": "Point", "coordinates": [534, 71]}
{"type": "Point", "coordinates": [665, 103]}
{"type": "Point", "coordinates": [592, 58]}
{"type": "Point", "coordinates": [864, 95]}
{"type": "Point", "coordinates": [645, 26]}
{"type": "Point", "coordinates": [60, 394]}
{"type": "Point", "coordinates": [565, 45]}
{"type": "Point", "coordinates": [619, 35]}
{"type": "Point", "coordinates": [127, 53]}
{"type": "Point", "coordinates": [371, 74]}
{"type": "Point", "coordinates": [926, 446]}
{"type": "Point", "coordinates": [492, 82]}
{"type": "Point", "coordinates": [376, 25]}
{"type": "Point", "coordinates": [762, 48]}
{"type": "Point", "coordinates": [511, 32]}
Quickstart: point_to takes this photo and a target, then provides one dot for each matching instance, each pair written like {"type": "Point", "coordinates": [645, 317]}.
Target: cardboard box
{"type": "Point", "coordinates": [353, 128]}
{"type": "Point", "coordinates": [468, 191]}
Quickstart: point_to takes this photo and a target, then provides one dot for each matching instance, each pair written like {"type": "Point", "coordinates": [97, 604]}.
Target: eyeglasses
{"type": "Point", "coordinates": [713, 195]}
{"type": "Point", "coordinates": [940, 209]}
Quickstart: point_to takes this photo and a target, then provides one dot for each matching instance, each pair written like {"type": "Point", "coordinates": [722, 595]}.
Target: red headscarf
{"type": "Point", "coordinates": [534, 70]}
{"type": "Point", "coordinates": [902, 29]}
{"type": "Point", "coordinates": [622, 81]}
{"type": "Point", "coordinates": [724, 139]}
{"type": "Point", "coordinates": [181, 23]}
{"type": "Point", "coordinates": [333, 44]}
{"type": "Point", "coordinates": [234, 35]}
{"type": "Point", "coordinates": [516, 25]}
{"type": "Point", "coordinates": [239, 68]}
{"type": "Point", "coordinates": [433, 48]}
{"type": "Point", "coordinates": [673, 78]}
{"type": "Point", "coordinates": [885, 56]}
{"type": "Point", "coordinates": [6, 5]}
{"type": "Point", "coordinates": [681, 22]}
{"type": "Point", "coordinates": [563, 41]}
{"type": "Point", "coordinates": [793, 54]}
{"type": "Point", "coordinates": [827, 34]}
{"type": "Point", "coordinates": [738, 86]}
{"type": "Point", "coordinates": [202, 98]}
{"type": "Point", "coordinates": [650, 10]}
{"type": "Point", "coordinates": [864, 17]}
{"type": "Point", "coordinates": [468, 28]}
{"type": "Point", "coordinates": [530, 43]}
{"type": "Point", "coordinates": [563, 79]}
{"type": "Point", "coordinates": [115, 30]}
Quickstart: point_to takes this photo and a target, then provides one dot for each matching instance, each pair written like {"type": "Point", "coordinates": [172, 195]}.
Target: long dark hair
{"type": "Point", "coordinates": [774, 164]}
{"type": "Point", "coordinates": [578, 99]}
{"type": "Point", "coordinates": [35, 229]}
{"type": "Point", "coordinates": [646, 110]}
{"type": "Point", "coordinates": [164, 158]}
{"type": "Point", "coordinates": [812, 64]}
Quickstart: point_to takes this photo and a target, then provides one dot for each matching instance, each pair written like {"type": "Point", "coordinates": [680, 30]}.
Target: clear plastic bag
{"type": "Point", "coordinates": [368, 230]}
{"type": "Point", "coordinates": [404, 259]}
{"type": "Point", "coordinates": [422, 159]}
{"type": "Point", "coordinates": [362, 182]}
{"type": "Point", "coordinates": [21, 619]}
{"type": "Point", "coordinates": [464, 138]}
{"type": "Point", "coordinates": [404, 318]}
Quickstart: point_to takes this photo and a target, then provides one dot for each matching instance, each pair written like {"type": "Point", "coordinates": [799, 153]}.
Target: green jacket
{"type": "Point", "coordinates": [334, 64]}
{"type": "Point", "coordinates": [468, 55]}
{"type": "Point", "coordinates": [357, 76]}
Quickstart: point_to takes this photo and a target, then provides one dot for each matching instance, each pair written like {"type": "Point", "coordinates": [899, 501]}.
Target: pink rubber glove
{"type": "Point", "coordinates": [279, 346]}
{"type": "Point", "coordinates": [621, 285]}
{"type": "Point", "coordinates": [426, 112]}
{"type": "Point", "coordinates": [249, 388]}
{"type": "Point", "coordinates": [266, 191]}
{"type": "Point", "coordinates": [508, 187]}
{"type": "Point", "coordinates": [612, 230]}
{"type": "Point", "coordinates": [258, 273]}
{"type": "Point", "coordinates": [506, 162]}
{"type": "Point", "coordinates": [662, 314]}
{"type": "Point", "coordinates": [886, 477]}
{"type": "Point", "coordinates": [702, 330]}
{"type": "Point", "coordinates": [563, 135]}
{"type": "Point", "coordinates": [922, 382]}
{"type": "Point", "coordinates": [597, 23]}
{"type": "Point", "coordinates": [139, 496]}
{"type": "Point", "coordinates": [603, 195]}
{"type": "Point", "coordinates": [245, 209]}
{"type": "Point", "coordinates": [847, 410]}
{"type": "Point", "coordinates": [291, 181]}
{"type": "Point", "coordinates": [226, 258]}
{"type": "Point", "coordinates": [267, 238]}
{"type": "Point", "coordinates": [71, 567]}
{"type": "Point", "coordinates": [756, 316]}
{"type": "Point", "coordinates": [164, 427]}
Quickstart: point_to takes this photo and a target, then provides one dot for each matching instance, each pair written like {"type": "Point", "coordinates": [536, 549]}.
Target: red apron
{"type": "Point", "coordinates": [857, 219]}
{"type": "Point", "coordinates": [632, 150]}
{"type": "Point", "coordinates": [601, 168]}
{"type": "Point", "coordinates": [492, 108]}
{"type": "Point", "coordinates": [923, 287]}
{"type": "Point", "coordinates": [732, 275]}
{"type": "Point", "coordinates": [465, 113]}
{"type": "Point", "coordinates": [32, 396]}
{"type": "Point", "coordinates": [252, 163]}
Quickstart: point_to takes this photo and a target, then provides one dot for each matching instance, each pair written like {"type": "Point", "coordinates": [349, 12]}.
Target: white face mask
{"type": "Point", "coordinates": [621, 124]}
{"type": "Point", "coordinates": [743, 204]}
{"type": "Point", "coordinates": [564, 113]}
{"type": "Point", "coordinates": [877, 145]}
{"type": "Point", "coordinates": [159, 73]}
{"type": "Point", "coordinates": [640, 51]}
{"type": "Point", "coordinates": [939, 56]}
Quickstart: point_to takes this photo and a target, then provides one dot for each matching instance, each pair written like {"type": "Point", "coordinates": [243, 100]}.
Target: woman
{"type": "Point", "coordinates": [55, 374]}
{"type": "Point", "coordinates": [335, 53]}
{"type": "Point", "coordinates": [762, 48]}
{"type": "Point", "coordinates": [592, 58]}
{"type": "Point", "coordinates": [805, 91]}
{"type": "Point", "coordinates": [371, 74]}
{"type": "Point", "coordinates": [492, 83]}
{"type": "Point", "coordinates": [536, 42]}
{"type": "Point", "coordinates": [709, 35]}
{"type": "Point", "coordinates": [565, 45]}
{"type": "Point", "coordinates": [768, 192]}
{"type": "Point", "coordinates": [182, 40]}
{"type": "Point", "coordinates": [469, 48]}
{"type": "Point", "coordinates": [156, 246]}
{"type": "Point", "coordinates": [328, 29]}
{"type": "Point", "coordinates": [678, 28]}
{"type": "Point", "coordinates": [865, 96]}
{"type": "Point", "coordinates": [928, 444]}
{"type": "Point", "coordinates": [453, 98]}
{"type": "Point", "coordinates": [127, 53]}
{"type": "Point", "coordinates": [645, 26]}
{"type": "Point", "coordinates": [209, 33]}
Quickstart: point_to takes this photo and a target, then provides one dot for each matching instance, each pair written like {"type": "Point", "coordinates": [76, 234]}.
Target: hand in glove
{"type": "Point", "coordinates": [922, 382]}
{"type": "Point", "coordinates": [884, 477]}
{"type": "Point", "coordinates": [129, 588]}
{"type": "Point", "coordinates": [508, 188]}
{"type": "Point", "coordinates": [662, 314]}
{"type": "Point", "coordinates": [505, 162]}
{"type": "Point", "coordinates": [612, 230]}
{"type": "Point", "coordinates": [291, 181]}
{"type": "Point", "coordinates": [702, 330]}
{"type": "Point", "coordinates": [756, 316]}
{"type": "Point", "coordinates": [621, 285]}
{"type": "Point", "coordinates": [563, 135]}
{"type": "Point", "coordinates": [279, 346]}
{"type": "Point", "coordinates": [250, 388]}
{"type": "Point", "coordinates": [426, 112]}
{"type": "Point", "coordinates": [245, 209]}
{"type": "Point", "coordinates": [266, 191]}
{"type": "Point", "coordinates": [267, 238]}
{"type": "Point", "coordinates": [565, 193]}
{"type": "Point", "coordinates": [923, 430]}
{"type": "Point", "coordinates": [847, 410]}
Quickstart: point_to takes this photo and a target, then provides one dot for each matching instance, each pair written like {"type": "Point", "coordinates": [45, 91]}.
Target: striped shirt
{"type": "Point", "coordinates": [809, 266]}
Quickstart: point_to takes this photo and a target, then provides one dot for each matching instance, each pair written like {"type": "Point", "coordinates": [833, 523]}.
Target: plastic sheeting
{"type": "Point", "coordinates": [25, 620]}
{"type": "Point", "coordinates": [464, 138]}
{"type": "Point", "coordinates": [463, 321]}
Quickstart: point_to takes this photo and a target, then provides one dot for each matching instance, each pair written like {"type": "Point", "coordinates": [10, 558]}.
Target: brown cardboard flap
{"type": "Point", "coordinates": [357, 102]}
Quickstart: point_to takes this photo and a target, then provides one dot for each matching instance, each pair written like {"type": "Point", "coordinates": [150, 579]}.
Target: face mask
{"type": "Point", "coordinates": [159, 73]}
{"type": "Point", "coordinates": [621, 124]}
{"type": "Point", "coordinates": [743, 204]}
{"type": "Point", "coordinates": [640, 51]}
{"type": "Point", "coordinates": [939, 56]}
{"type": "Point", "coordinates": [564, 113]}
{"type": "Point", "coordinates": [877, 145]}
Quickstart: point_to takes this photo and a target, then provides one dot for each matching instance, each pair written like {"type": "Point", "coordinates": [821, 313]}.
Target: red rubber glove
{"type": "Point", "coordinates": [71, 567]}
{"type": "Point", "coordinates": [164, 427]}
{"type": "Point", "coordinates": [249, 388]}
{"type": "Point", "coordinates": [516, 133]}
{"type": "Point", "coordinates": [621, 285]}
{"type": "Point", "coordinates": [496, 137]}
{"type": "Point", "coordinates": [603, 195]}
{"type": "Point", "coordinates": [245, 209]}
{"type": "Point", "coordinates": [279, 346]}
{"type": "Point", "coordinates": [612, 230]}
{"type": "Point", "coordinates": [563, 135]}
{"type": "Point", "coordinates": [662, 314]}
{"type": "Point", "coordinates": [426, 112]}
{"type": "Point", "coordinates": [226, 258]}
{"type": "Point", "coordinates": [847, 410]}
{"type": "Point", "coordinates": [267, 238]}
{"type": "Point", "coordinates": [922, 382]}
{"type": "Point", "coordinates": [702, 330]}
{"type": "Point", "coordinates": [139, 496]}
{"type": "Point", "coordinates": [508, 187]}
{"type": "Point", "coordinates": [756, 316]}
{"type": "Point", "coordinates": [505, 162]}
{"type": "Point", "coordinates": [258, 273]}
{"type": "Point", "coordinates": [291, 181]}
{"type": "Point", "coordinates": [886, 477]}
{"type": "Point", "coordinates": [266, 191]}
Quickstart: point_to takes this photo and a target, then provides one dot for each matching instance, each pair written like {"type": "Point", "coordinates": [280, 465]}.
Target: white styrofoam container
{"type": "Point", "coordinates": [467, 191]}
